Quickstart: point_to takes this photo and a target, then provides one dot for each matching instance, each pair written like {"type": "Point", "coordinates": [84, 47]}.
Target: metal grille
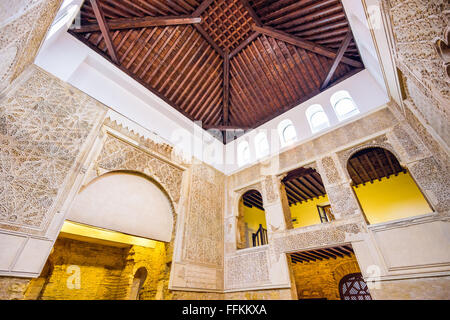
{"type": "Point", "coordinates": [353, 287]}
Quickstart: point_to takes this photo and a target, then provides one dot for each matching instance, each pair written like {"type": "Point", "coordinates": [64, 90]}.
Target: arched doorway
{"type": "Point", "coordinates": [251, 225]}
{"type": "Point", "coordinates": [118, 222]}
{"type": "Point", "coordinates": [353, 287]}
{"type": "Point", "coordinates": [385, 190]}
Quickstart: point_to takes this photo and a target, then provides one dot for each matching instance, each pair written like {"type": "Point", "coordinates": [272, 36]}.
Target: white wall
{"type": "Point", "coordinates": [126, 203]}
{"type": "Point", "coordinates": [363, 88]}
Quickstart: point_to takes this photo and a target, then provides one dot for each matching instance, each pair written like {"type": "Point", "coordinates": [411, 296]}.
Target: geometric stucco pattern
{"type": "Point", "coordinates": [119, 155]}
{"type": "Point", "coordinates": [203, 237]}
{"type": "Point", "coordinates": [23, 25]}
{"type": "Point", "coordinates": [244, 269]}
{"type": "Point", "coordinates": [416, 25]}
{"type": "Point", "coordinates": [44, 124]}
{"type": "Point", "coordinates": [326, 236]}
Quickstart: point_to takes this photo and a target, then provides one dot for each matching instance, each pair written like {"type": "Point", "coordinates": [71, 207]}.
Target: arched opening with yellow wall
{"type": "Point", "coordinates": [113, 244]}
{"type": "Point", "coordinates": [251, 226]}
{"type": "Point", "coordinates": [306, 196]}
{"type": "Point", "coordinates": [385, 190]}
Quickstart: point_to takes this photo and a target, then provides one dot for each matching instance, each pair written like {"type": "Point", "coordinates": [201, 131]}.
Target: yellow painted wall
{"type": "Point", "coordinates": [391, 199]}
{"type": "Point", "coordinates": [306, 212]}
{"type": "Point", "coordinates": [105, 271]}
{"type": "Point", "coordinates": [254, 217]}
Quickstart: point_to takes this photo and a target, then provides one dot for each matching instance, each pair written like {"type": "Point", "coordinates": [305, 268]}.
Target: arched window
{"type": "Point", "coordinates": [317, 118]}
{"type": "Point", "coordinates": [243, 153]}
{"type": "Point", "coordinates": [261, 145]}
{"type": "Point", "coordinates": [343, 105]}
{"type": "Point", "coordinates": [287, 132]}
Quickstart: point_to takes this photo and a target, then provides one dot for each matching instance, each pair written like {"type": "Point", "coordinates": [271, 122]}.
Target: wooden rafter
{"type": "Point", "coordinates": [105, 30]}
{"type": "Point", "coordinates": [209, 39]}
{"type": "Point", "coordinates": [226, 87]}
{"type": "Point", "coordinates": [251, 12]}
{"type": "Point", "coordinates": [202, 7]}
{"type": "Point", "coordinates": [321, 254]}
{"type": "Point", "coordinates": [305, 44]}
{"type": "Point", "coordinates": [140, 22]}
{"type": "Point", "coordinates": [337, 59]}
{"type": "Point", "coordinates": [170, 47]}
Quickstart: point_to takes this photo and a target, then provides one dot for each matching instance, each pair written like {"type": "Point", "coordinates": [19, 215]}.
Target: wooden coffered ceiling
{"type": "Point", "coordinates": [227, 63]}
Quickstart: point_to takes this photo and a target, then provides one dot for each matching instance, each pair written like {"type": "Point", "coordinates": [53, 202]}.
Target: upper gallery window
{"type": "Point", "coordinates": [261, 145]}
{"type": "Point", "coordinates": [317, 118]}
{"type": "Point", "coordinates": [243, 153]}
{"type": "Point", "coordinates": [343, 105]}
{"type": "Point", "coordinates": [287, 132]}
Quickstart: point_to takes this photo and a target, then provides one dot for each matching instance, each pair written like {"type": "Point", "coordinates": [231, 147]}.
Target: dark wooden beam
{"type": "Point", "coordinates": [209, 39]}
{"type": "Point", "coordinates": [141, 22]}
{"type": "Point", "coordinates": [105, 30]}
{"type": "Point", "coordinates": [226, 87]}
{"type": "Point", "coordinates": [202, 7]}
{"type": "Point", "coordinates": [224, 127]}
{"type": "Point", "coordinates": [305, 44]}
{"type": "Point", "coordinates": [244, 43]}
{"type": "Point", "coordinates": [337, 60]}
{"type": "Point", "coordinates": [252, 12]}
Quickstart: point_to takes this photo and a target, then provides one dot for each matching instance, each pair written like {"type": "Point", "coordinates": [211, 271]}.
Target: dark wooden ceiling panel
{"type": "Point", "coordinates": [303, 184]}
{"type": "Point", "coordinates": [322, 254]}
{"type": "Point", "coordinates": [228, 63]}
{"type": "Point", "coordinates": [252, 199]}
{"type": "Point", "coordinates": [369, 165]}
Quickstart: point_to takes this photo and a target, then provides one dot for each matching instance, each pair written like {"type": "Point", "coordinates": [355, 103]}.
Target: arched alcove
{"type": "Point", "coordinates": [127, 202]}
{"type": "Point", "coordinates": [385, 190]}
{"type": "Point", "coordinates": [307, 198]}
{"type": "Point", "coordinates": [138, 282]}
{"type": "Point", "coordinates": [251, 224]}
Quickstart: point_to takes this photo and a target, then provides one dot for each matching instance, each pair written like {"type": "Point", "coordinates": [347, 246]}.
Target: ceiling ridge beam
{"type": "Point", "coordinates": [305, 44]}
{"type": "Point", "coordinates": [226, 88]}
{"type": "Point", "coordinates": [104, 28]}
{"type": "Point", "coordinates": [202, 7]}
{"type": "Point", "coordinates": [252, 12]}
{"type": "Point", "coordinates": [244, 43]}
{"type": "Point", "coordinates": [209, 39]}
{"type": "Point", "coordinates": [141, 22]}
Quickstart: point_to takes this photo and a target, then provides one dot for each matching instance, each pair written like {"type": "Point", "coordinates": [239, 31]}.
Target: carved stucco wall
{"type": "Point", "coordinates": [44, 128]}
{"type": "Point", "coordinates": [384, 128]}
{"type": "Point", "coordinates": [23, 25]}
{"type": "Point", "coordinates": [198, 261]}
{"type": "Point", "coordinates": [417, 27]}
{"type": "Point", "coordinates": [204, 224]}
